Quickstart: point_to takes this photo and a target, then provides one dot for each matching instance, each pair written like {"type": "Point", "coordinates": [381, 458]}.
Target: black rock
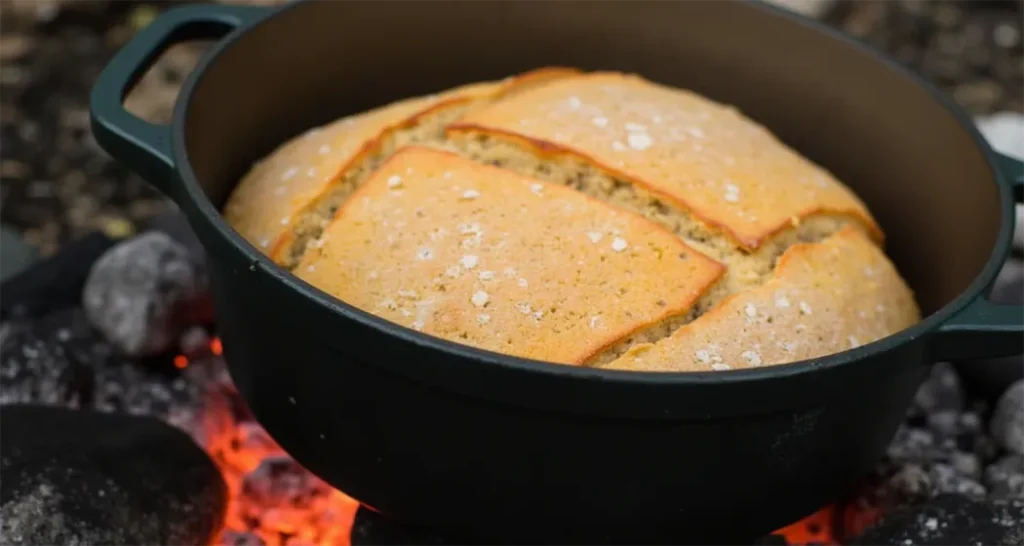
{"type": "Point", "coordinates": [142, 292]}
{"type": "Point", "coordinates": [79, 477]}
{"type": "Point", "coordinates": [53, 283]}
{"type": "Point", "coordinates": [1008, 419]}
{"type": "Point", "coordinates": [950, 520]}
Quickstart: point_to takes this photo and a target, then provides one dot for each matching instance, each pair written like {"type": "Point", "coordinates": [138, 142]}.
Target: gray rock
{"type": "Point", "coordinates": [966, 464]}
{"type": "Point", "coordinates": [970, 422]}
{"type": "Point", "coordinates": [945, 479]}
{"type": "Point", "coordinates": [913, 445]}
{"type": "Point", "coordinates": [940, 391]}
{"type": "Point", "coordinates": [943, 423]}
{"type": "Point", "coordinates": [1005, 477]}
{"type": "Point", "coordinates": [1007, 423]}
{"type": "Point", "coordinates": [79, 477]}
{"type": "Point", "coordinates": [143, 291]}
{"type": "Point", "coordinates": [911, 481]}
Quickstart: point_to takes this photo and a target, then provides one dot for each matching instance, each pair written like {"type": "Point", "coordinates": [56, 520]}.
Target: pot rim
{"type": "Point", "coordinates": [926, 327]}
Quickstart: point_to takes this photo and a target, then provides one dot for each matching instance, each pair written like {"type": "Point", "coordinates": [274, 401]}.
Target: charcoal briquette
{"type": "Point", "coordinates": [139, 290]}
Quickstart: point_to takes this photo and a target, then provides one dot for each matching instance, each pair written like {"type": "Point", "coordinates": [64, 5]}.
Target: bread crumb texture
{"type": "Point", "coordinates": [586, 219]}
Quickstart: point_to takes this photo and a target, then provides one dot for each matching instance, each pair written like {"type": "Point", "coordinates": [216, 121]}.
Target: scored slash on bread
{"type": "Point", "coordinates": [475, 253]}
{"type": "Point", "coordinates": [824, 298]}
{"type": "Point", "coordinates": [673, 167]}
{"type": "Point", "coordinates": [703, 156]}
{"type": "Point", "coordinates": [271, 202]}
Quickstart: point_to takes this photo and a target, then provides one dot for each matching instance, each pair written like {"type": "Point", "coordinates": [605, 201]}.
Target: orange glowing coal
{"type": "Point", "coordinates": [275, 502]}
{"type": "Point", "coordinates": [818, 528]}
{"type": "Point", "coordinates": [270, 496]}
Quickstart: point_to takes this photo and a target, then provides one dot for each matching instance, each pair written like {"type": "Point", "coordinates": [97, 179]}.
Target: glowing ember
{"type": "Point", "coordinates": [180, 362]}
{"type": "Point", "coordinates": [818, 528]}
{"type": "Point", "coordinates": [275, 502]}
{"type": "Point", "coordinates": [270, 495]}
{"type": "Point", "coordinates": [830, 525]}
{"type": "Point", "coordinates": [271, 499]}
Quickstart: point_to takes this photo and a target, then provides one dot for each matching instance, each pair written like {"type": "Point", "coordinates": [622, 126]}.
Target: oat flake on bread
{"type": "Point", "coordinates": [594, 219]}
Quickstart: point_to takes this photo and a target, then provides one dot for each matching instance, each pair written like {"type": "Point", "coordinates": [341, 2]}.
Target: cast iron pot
{"type": "Point", "coordinates": [499, 449]}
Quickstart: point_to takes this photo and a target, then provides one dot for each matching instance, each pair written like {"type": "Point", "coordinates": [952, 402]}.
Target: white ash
{"type": "Point", "coordinates": [137, 290]}
{"type": "Point", "coordinates": [945, 446]}
{"type": "Point", "coordinates": [60, 360]}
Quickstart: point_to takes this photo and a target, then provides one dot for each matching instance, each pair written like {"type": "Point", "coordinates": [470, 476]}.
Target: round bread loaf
{"type": "Point", "coordinates": [593, 219]}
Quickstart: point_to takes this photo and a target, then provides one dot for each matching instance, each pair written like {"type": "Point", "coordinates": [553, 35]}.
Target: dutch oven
{"type": "Point", "coordinates": [499, 449]}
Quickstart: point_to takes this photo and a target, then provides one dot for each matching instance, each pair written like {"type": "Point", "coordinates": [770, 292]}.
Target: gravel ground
{"type": "Point", "coordinates": [58, 185]}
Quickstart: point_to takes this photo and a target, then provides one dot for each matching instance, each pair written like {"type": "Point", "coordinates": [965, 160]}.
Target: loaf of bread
{"type": "Point", "coordinates": [590, 219]}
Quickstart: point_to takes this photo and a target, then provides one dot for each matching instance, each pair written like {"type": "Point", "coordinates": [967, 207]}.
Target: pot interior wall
{"type": "Point", "coordinates": [904, 154]}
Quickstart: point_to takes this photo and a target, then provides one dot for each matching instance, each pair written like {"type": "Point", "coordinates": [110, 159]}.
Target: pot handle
{"type": "Point", "coordinates": [142, 146]}
{"type": "Point", "coordinates": [985, 329]}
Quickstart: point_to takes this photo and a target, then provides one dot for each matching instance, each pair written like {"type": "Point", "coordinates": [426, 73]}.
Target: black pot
{"type": "Point", "coordinates": [494, 448]}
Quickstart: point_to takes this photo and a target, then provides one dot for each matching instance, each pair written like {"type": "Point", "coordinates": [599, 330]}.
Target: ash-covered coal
{"type": "Point", "coordinates": [947, 459]}
{"type": "Point", "coordinates": [144, 290]}
{"type": "Point", "coordinates": [84, 477]}
{"type": "Point", "coordinates": [60, 360]}
{"type": "Point", "coordinates": [944, 446]}
{"type": "Point", "coordinates": [951, 520]}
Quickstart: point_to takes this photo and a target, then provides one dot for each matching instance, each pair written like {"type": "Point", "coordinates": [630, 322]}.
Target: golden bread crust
{"type": "Point", "coordinates": [269, 198]}
{"type": "Point", "coordinates": [268, 201]}
{"type": "Point", "coordinates": [587, 219]}
{"type": "Point", "coordinates": [727, 170]}
{"type": "Point", "coordinates": [466, 251]}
